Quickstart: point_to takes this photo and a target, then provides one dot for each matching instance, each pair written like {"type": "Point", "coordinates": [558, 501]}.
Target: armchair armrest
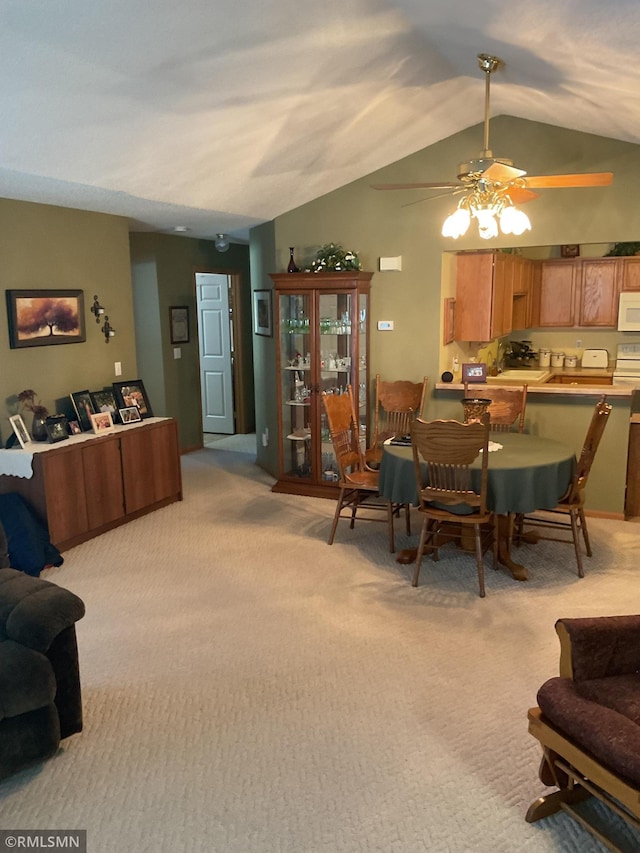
{"type": "Point", "coordinates": [599, 646]}
{"type": "Point", "coordinates": [33, 612]}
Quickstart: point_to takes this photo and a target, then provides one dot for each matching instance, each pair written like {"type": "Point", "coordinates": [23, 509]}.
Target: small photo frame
{"type": "Point", "coordinates": [262, 313]}
{"type": "Point", "coordinates": [105, 401]}
{"type": "Point", "coordinates": [474, 372]}
{"type": "Point", "coordinates": [21, 431]}
{"type": "Point", "coordinates": [571, 250]}
{"type": "Point", "coordinates": [84, 408]}
{"type": "Point", "coordinates": [179, 324]}
{"type": "Point", "coordinates": [102, 423]}
{"type": "Point", "coordinates": [130, 415]}
{"type": "Point", "coordinates": [74, 428]}
{"type": "Point", "coordinates": [56, 426]}
{"type": "Point", "coordinates": [132, 393]}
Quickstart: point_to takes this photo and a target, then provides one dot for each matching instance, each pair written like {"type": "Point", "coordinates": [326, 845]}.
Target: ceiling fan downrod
{"type": "Point", "coordinates": [488, 64]}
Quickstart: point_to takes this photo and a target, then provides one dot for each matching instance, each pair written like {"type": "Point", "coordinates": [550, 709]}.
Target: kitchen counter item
{"type": "Point", "coordinates": [595, 358]}
{"type": "Point", "coordinates": [557, 359]}
{"type": "Point", "coordinates": [544, 357]}
{"type": "Point", "coordinates": [571, 361]}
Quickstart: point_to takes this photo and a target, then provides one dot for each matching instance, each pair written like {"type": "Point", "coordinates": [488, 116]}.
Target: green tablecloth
{"type": "Point", "coordinates": [528, 473]}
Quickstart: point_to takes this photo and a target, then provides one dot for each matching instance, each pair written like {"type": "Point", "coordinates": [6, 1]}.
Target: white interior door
{"type": "Point", "coordinates": [216, 353]}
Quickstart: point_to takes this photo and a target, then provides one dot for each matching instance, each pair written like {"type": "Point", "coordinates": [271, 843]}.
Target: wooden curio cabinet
{"type": "Point", "coordinates": [322, 334]}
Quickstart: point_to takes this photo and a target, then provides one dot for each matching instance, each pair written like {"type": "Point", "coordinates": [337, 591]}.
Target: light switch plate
{"type": "Point", "coordinates": [391, 264]}
{"type": "Point", "coordinates": [177, 352]}
{"type": "Point", "coordinates": [385, 325]}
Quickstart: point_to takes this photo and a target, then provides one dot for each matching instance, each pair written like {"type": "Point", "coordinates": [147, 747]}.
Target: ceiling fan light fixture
{"type": "Point", "coordinates": [485, 214]}
{"type": "Point", "coordinates": [514, 221]}
{"type": "Point", "coordinates": [457, 223]}
{"type": "Point", "coordinates": [221, 242]}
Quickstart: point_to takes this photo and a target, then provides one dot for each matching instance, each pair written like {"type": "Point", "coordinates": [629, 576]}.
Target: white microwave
{"type": "Point", "coordinates": [629, 312]}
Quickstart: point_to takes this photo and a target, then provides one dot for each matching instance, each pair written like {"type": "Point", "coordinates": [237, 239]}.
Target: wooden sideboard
{"type": "Point", "coordinates": [80, 490]}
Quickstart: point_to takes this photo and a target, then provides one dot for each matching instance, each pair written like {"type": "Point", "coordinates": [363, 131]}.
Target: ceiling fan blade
{"type": "Point", "coordinates": [449, 194]}
{"type": "Point", "coordinates": [519, 195]}
{"type": "Point", "coordinates": [584, 179]}
{"type": "Point", "coordinates": [501, 173]}
{"type": "Point", "coordinates": [437, 186]}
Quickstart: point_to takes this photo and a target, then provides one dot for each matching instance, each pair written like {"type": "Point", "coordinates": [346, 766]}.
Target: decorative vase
{"type": "Point", "coordinates": [38, 429]}
{"type": "Point", "coordinates": [292, 264]}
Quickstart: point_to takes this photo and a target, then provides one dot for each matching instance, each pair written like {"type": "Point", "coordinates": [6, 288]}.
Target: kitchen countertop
{"type": "Point", "coordinates": [543, 387]}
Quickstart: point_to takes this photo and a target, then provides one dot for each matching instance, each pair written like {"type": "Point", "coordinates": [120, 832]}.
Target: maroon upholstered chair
{"type": "Point", "coordinates": [588, 721]}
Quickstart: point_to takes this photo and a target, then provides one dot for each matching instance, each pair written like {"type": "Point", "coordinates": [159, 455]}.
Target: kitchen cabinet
{"type": "Point", "coordinates": [556, 303]}
{"type": "Point", "coordinates": [322, 345]}
{"type": "Point", "coordinates": [524, 277]}
{"type": "Point", "coordinates": [598, 292]}
{"type": "Point", "coordinates": [81, 488]}
{"type": "Point", "coordinates": [629, 273]}
{"type": "Point", "coordinates": [484, 295]}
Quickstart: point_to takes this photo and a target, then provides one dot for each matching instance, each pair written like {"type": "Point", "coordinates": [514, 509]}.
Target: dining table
{"type": "Point", "coordinates": [525, 473]}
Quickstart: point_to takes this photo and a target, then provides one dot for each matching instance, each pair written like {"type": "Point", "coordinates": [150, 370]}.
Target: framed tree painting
{"type": "Point", "coordinates": [40, 318]}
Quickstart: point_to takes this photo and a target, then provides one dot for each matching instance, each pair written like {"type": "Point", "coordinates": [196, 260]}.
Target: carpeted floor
{"type": "Point", "coordinates": [249, 689]}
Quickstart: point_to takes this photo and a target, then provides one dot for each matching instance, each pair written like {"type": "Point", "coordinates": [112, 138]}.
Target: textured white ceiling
{"type": "Point", "coordinates": [221, 114]}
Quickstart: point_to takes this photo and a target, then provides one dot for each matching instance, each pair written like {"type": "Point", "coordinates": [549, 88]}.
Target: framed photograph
{"type": "Point", "coordinates": [262, 313]}
{"type": "Point", "coordinates": [179, 323]}
{"type": "Point", "coordinates": [130, 415]}
{"type": "Point", "coordinates": [74, 428]}
{"type": "Point", "coordinates": [474, 372]}
{"type": "Point", "coordinates": [105, 401]}
{"type": "Point", "coordinates": [40, 318]}
{"type": "Point", "coordinates": [56, 426]}
{"type": "Point", "coordinates": [132, 393]}
{"type": "Point", "coordinates": [84, 408]}
{"type": "Point", "coordinates": [571, 250]}
{"type": "Point", "coordinates": [21, 431]}
{"type": "Point", "coordinates": [102, 423]}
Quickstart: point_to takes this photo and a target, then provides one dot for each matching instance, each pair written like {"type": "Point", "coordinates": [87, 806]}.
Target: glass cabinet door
{"type": "Point", "coordinates": [296, 384]}
{"type": "Point", "coordinates": [335, 368]}
{"type": "Point", "coordinates": [362, 366]}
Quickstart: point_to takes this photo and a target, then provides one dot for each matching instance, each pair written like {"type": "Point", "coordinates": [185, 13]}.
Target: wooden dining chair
{"type": "Point", "coordinates": [448, 501]}
{"type": "Point", "coordinates": [358, 483]}
{"type": "Point", "coordinates": [396, 405]}
{"type": "Point", "coordinates": [507, 406]}
{"type": "Point", "coordinates": [569, 515]}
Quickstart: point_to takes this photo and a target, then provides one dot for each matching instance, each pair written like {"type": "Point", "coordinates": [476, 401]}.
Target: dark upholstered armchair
{"type": "Point", "coordinates": [40, 701]}
{"type": "Point", "coordinates": [588, 721]}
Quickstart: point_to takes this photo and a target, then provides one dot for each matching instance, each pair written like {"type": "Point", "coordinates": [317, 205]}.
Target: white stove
{"type": "Point", "coordinates": [627, 369]}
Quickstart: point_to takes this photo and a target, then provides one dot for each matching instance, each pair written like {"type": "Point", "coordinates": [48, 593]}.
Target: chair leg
{"type": "Point", "coordinates": [573, 514]}
{"type": "Point", "coordinates": [421, 546]}
{"type": "Point", "coordinates": [390, 514]}
{"type": "Point", "coordinates": [479, 559]}
{"type": "Point", "coordinates": [336, 516]}
{"type": "Point", "coordinates": [407, 515]}
{"type": "Point", "coordinates": [585, 532]}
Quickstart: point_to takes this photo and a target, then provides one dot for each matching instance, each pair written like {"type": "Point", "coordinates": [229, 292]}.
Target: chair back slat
{"type": "Point", "coordinates": [599, 421]}
{"type": "Point", "coordinates": [448, 448]}
{"type": "Point", "coordinates": [396, 405]}
{"type": "Point", "coordinates": [344, 430]}
{"type": "Point", "coordinates": [508, 405]}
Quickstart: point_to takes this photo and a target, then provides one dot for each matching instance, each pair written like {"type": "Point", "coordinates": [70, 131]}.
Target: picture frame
{"type": "Point", "coordinates": [56, 427]}
{"type": "Point", "coordinates": [105, 401]}
{"type": "Point", "coordinates": [102, 423]}
{"type": "Point", "coordinates": [474, 372]}
{"type": "Point", "coordinates": [130, 415]}
{"type": "Point", "coordinates": [40, 318]}
{"type": "Point", "coordinates": [263, 313]}
{"type": "Point", "coordinates": [84, 408]}
{"type": "Point", "coordinates": [570, 250]}
{"type": "Point", "coordinates": [132, 393]}
{"type": "Point", "coordinates": [74, 428]}
{"type": "Point", "coordinates": [20, 430]}
{"type": "Point", "coordinates": [179, 324]}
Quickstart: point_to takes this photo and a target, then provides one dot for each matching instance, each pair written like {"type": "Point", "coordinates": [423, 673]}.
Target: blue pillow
{"type": "Point", "coordinates": [30, 549]}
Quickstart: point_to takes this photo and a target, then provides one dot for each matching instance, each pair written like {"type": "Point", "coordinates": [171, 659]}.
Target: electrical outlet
{"type": "Point", "coordinates": [578, 342]}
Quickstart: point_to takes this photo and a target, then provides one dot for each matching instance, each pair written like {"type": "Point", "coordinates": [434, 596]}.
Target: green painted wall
{"type": "Point", "coordinates": [378, 224]}
{"type": "Point", "coordinates": [56, 248]}
{"type": "Point", "coordinates": [163, 269]}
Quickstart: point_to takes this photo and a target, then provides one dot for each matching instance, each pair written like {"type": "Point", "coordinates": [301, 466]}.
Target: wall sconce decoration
{"type": "Point", "coordinates": [107, 330]}
{"type": "Point", "coordinates": [221, 242]}
{"type": "Point", "coordinates": [96, 309]}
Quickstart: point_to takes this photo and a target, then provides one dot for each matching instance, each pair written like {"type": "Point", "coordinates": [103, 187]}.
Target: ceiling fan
{"type": "Point", "coordinates": [493, 185]}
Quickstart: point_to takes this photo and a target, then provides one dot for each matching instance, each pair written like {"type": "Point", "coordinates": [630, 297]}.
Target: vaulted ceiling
{"type": "Point", "coordinates": [221, 114]}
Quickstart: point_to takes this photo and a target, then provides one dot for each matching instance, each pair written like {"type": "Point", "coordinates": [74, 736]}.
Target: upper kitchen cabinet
{"type": "Point", "coordinates": [484, 295]}
{"type": "Point", "coordinates": [598, 292]}
{"type": "Point", "coordinates": [630, 273]}
{"type": "Point", "coordinates": [556, 301]}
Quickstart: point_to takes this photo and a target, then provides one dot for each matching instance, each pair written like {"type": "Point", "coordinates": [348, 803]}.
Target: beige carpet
{"type": "Point", "coordinates": [249, 689]}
